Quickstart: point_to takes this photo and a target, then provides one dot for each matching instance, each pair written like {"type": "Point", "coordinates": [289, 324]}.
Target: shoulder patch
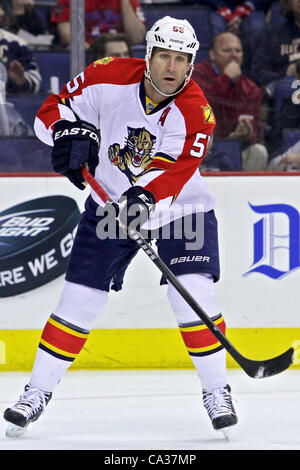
{"type": "Point", "coordinates": [104, 61]}
{"type": "Point", "coordinates": [208, 114]}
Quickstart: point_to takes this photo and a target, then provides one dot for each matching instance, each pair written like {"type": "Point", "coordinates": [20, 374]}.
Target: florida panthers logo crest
{"type": "Point", "coordinates": [136, 154]}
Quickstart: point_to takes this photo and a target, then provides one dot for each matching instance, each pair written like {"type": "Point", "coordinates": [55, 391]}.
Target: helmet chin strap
{"type": "Point", "coordinates": [148, 77]}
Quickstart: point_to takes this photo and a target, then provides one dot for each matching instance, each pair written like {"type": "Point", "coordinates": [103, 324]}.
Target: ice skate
{"type": "Point", "coordinates": [219, 407]}
{"type": "Point", "coordinates": [28, 409]}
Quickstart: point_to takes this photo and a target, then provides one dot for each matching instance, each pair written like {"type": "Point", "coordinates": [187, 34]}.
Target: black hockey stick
{"type": "Point", "coordinates": [255, 369]}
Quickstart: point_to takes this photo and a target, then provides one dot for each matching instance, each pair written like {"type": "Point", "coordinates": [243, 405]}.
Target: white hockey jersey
{"type": "Point", "coordinates": [160, 149]}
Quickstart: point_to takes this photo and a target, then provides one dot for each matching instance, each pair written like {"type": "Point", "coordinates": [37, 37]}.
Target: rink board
{"type": "Point", "coordinates": [258, 292]}
{"type": "Point", "coordinates": [143, 348]}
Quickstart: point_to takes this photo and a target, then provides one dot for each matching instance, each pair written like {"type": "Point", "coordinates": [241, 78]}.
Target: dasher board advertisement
{"type": "Point", "coordinates": [259, 226]}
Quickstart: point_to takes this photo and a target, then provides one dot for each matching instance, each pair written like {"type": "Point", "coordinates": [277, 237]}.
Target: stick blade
{"type": "Point", "coordinates": [269, 367]}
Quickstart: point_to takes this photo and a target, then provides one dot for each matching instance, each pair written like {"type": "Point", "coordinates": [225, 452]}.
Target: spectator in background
{"type": "Point", "coordinates": [245, 19]}
{"type": "Point", "coordinates": [235, 99]}
{"type": "Point", "coordinates": [278, 52]}
{"type": "Point", "coordinates": [26, 17]}
{"type": "Point", "coordinates": [102, 16]}
{"type": "Point", "coordinates": [288, 118]}
{"type": "Point", "coordinates": [22, 69]}
{"type": "Point", "coordinates": [287, 161]}
{"type": "Point", "coordinates": [274, 68]}
{"type": "Point", "coordinates": [109, 45]}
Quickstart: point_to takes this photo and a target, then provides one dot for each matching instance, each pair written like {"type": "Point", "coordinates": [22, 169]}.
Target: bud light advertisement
{"type": "Point", "coordinates": [36, 239]}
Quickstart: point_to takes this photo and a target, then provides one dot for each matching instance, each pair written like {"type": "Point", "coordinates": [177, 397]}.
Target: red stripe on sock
{"type": "Point", "coordinates": [201, 338]}
{"type": "Point", "coordinates": [62, 340]}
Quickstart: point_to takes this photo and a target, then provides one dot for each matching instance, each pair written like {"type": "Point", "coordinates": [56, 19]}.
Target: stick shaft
{"type": "Point", "coordinates": [94, 184]}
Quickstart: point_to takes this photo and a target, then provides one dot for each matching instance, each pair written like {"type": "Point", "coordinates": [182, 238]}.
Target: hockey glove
{"type": "Point", "coordinates": [75, 143]}
{"type": "Point", "coordinates": [133, 209]}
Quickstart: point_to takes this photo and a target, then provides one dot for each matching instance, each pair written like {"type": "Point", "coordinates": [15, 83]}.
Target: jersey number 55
{"type": "Point", "coordinates": [199, 145]}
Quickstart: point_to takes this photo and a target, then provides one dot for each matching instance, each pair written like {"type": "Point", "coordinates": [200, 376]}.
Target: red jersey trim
{"type": "Point", "coordinates": [172, 181]}
{"type": "Point", "coordinates": [199, 121]}
{"type": "Point", "coordinates": [116, 71]}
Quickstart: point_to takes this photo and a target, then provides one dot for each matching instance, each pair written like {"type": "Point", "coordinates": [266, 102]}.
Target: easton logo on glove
{"type": "Point", "coordinates": [82, 131]}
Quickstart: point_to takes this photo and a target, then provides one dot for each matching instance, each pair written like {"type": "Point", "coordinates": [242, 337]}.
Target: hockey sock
{"type": "Point", "coordinates": [59, 345]}
{"type": "Point", "coordinates": [65, 334]}
{"type": "Point", "coordinates": [207, 354]}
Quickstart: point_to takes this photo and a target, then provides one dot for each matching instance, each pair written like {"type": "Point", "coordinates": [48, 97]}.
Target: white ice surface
{"type": "Point", "coordinates": [156, 410]}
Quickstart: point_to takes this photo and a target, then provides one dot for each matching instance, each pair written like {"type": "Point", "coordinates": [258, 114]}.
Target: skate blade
{"type": "Point", "coordinates": [225, 433]}
{"type": "Point", "coordinates": [13, 431]}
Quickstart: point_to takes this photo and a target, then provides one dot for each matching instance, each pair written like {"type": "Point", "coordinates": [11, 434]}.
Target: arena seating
{"type": "Point", "coordinates": [53, 64]}
{"type": "Point", "coordinates": [28, 106]}
{"type": "Point", "coordinates": [226, 154]}
{"type": "Point", "coordinates": [275, 17]}
{"type": "Point", "coordinates": [282, 89]}
{"type": "Point", "coordinates": [290, 138]}
{"type": "Point", "coordinates": [33, 157]}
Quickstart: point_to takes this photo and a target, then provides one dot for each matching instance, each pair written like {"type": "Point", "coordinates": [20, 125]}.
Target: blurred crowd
{"type": "Point", "coordinates": [249, 69]}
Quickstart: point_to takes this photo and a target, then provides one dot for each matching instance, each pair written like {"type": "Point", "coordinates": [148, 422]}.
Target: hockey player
{"type": "Point", "coordinates": [155, 125]}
